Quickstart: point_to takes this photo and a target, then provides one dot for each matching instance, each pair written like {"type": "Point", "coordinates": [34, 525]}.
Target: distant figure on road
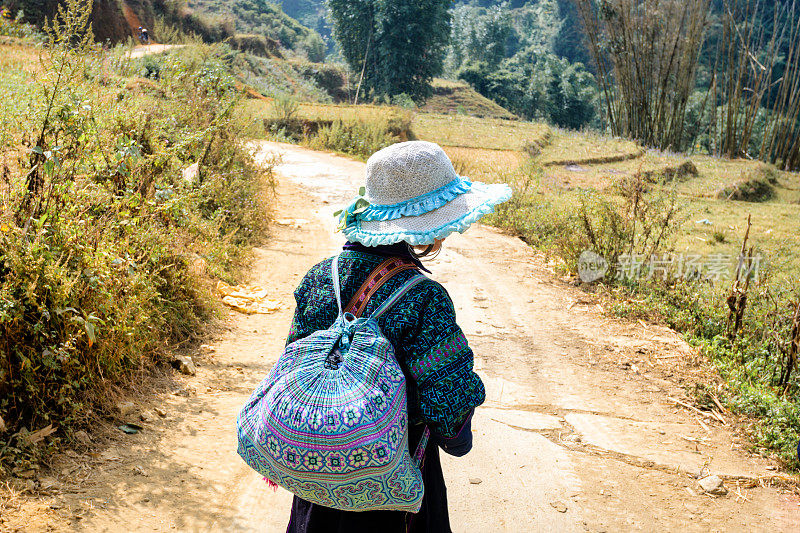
{"type": "Point", "coordinates": [143, 36]}
{"type": "Point", "coordinates": [412, 201]}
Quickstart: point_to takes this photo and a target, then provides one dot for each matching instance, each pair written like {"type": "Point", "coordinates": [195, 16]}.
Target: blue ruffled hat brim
{"type": "Point", "coordinates": [419, 205]}
{"type": "Point", "coordinates": [439, 227]}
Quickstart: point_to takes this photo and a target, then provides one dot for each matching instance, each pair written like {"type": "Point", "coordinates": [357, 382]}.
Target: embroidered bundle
{"type": "Point", "coordinates": [330, 422]}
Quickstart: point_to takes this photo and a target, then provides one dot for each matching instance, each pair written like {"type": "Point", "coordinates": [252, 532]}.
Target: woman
{"type": "Point", "coordinates": [412, 200]}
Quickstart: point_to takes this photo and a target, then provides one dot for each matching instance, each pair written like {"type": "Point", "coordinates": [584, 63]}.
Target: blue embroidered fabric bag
{"type": "Point", "coordinates": [330, 422]}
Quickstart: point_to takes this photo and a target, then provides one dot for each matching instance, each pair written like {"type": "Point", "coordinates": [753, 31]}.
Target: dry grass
{"type": "Point", "coordinates": [775, 230]}
{"type": "Point", "coordinates": [484, 165]}
{"type": "Point", "coordinates": [487, 149]}
{"type": "Point", "coordinates": [601, 175]}
{"type": "Point", "coordinates": [18, 56]}
{"type": "Point", "coordinates": [586, 148]}
{"type": "Point", "coordinates": [473, 132]}
{"type": "Point", "coordinates": [311, 111]}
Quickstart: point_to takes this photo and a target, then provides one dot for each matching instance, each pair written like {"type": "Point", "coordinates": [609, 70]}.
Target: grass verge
{"type": "Point", "coordinates": [749, 330]}
{"type": "Point", "coordinates": [117, 205]}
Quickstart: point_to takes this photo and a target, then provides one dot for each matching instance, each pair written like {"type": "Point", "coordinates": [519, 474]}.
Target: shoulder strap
{"type": "Point", "coordinates": [396, 295]}
{"type": "Point", "coordinates": [335, 276]}
{"type": "Point", "coordinates": [380, 275]}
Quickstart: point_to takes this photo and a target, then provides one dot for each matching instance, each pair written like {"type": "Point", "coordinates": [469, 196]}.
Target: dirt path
{"type": "Point", "coordinates": [577, 433]}
{"type": "Point", "coordinates": [152, 49]}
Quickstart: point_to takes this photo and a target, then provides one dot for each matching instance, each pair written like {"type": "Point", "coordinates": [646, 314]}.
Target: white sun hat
{"type": "Point", "coordinates": [413, 194]}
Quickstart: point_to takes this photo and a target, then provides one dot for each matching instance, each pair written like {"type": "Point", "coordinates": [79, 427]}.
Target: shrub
{"type": "Point", "coordinates": [284, 107]}
{"type": "Point", "coordinates": [754, 185]}
{"type": "Point", "coordinates": [11, 26]}
{"type": "Point", "coordinates": [537, 219]}
{"type": "Point", "coordinates": [668, 174]}
{"type": "Point", "coordinates": [255, 44]}
{"type": "Point", "coordinates": [403, 101]}
{"type": "Point", "coordinates": [635, 224]}
{"type": "Point", "coordinates": [360, 139]}
{"type": "Point", "coordinates": [314, 47]}
{"type": "Point", "coordinates": [331, 78]}
{"type": "Point", "coordinates": [102, 238]}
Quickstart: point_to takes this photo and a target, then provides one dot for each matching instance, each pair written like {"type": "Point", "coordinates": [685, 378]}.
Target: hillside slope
{"type": "Point", "coordinates": [109, 21]}
{"type": "Point", "coordinates": [311, 13]}
{"type": "Point", "coordinates": [266, 19]}
{"type": "Point", "coordinates": [457, 97]}
{"type": "Point", "coordinates": [211, 20]}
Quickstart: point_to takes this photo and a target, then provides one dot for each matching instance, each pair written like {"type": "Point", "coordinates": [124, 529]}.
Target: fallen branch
{"type": "Point", "coordinates": [703, 424]}
{"type": "Point", "coordinates": [694, 439]}
{"type": "Point", "coordinates": [716, 401]}
{"type": "Point", "coordinates": [695, 409]}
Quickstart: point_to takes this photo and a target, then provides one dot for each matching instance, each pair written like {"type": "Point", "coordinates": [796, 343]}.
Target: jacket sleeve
{"type": "Point", "coordinates": [440, 361]}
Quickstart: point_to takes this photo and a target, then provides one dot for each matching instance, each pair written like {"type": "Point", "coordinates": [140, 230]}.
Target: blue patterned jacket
{"type": "Point", "coordinates": [442, 387]}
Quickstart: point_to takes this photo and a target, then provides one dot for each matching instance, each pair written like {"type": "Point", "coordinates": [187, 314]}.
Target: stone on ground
{"type": "Point", "coordinates": [126, 408]}
{"type": "Point", "coordinates": [713, 485]}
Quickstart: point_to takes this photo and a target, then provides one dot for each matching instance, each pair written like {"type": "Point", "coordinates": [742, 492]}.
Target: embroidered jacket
{"type": "Point", "coordinates": [430, 347]}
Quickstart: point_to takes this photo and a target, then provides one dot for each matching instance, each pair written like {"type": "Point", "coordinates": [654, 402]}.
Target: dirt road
{"type": "Point", "coordinates": [152, 49]}
{"type": "Point", "coordinates": [577, 433]}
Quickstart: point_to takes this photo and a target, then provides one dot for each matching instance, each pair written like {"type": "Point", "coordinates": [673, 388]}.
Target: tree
{"type": "Point", "coordinates": [569, 43]}
{"type": "Point", "coordinates": [538, 85]}
{"type": "Point", "coordinates": [395, 46]}
{"type": "Point", "coordinates": [646, 55]}
{"type": "Point", "coordinates": [479, 35]}
{"type": "Point", "coordinates": [652, 55]}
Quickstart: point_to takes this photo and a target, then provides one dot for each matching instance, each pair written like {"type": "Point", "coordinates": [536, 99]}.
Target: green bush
{"type": "Point", "coordinates": [11, 26]}
{"type": "Point", "coordinates": [360, 139]}
{"type": "Point", "coordinates": [255, 44]}
{"type": "Point", "coordinates": [107, 241]}
{"type": "Point", "coordinates": [284, 107]}
{"type": "Point", "coordinates": [331, 78]}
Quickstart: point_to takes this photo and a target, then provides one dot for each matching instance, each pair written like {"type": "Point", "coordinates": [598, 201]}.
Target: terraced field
{"type": "Point", "coordinates": [494, 149]}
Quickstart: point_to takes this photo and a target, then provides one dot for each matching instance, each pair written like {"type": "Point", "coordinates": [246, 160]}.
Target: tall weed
{"type": "Point", "coordinates": [360, 139]}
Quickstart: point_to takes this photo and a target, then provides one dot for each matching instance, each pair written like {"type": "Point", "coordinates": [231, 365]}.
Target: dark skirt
{"type": "Point", "coordinates": [432, 516]}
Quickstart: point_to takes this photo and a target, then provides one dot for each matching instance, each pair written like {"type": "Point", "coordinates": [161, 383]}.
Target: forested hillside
{"type": "Point", "coordinates": [210, 20]}
{"type": "Point", "coordinates": [268, 20]}
{"type": "Point", "coordinates": [312, 14]}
